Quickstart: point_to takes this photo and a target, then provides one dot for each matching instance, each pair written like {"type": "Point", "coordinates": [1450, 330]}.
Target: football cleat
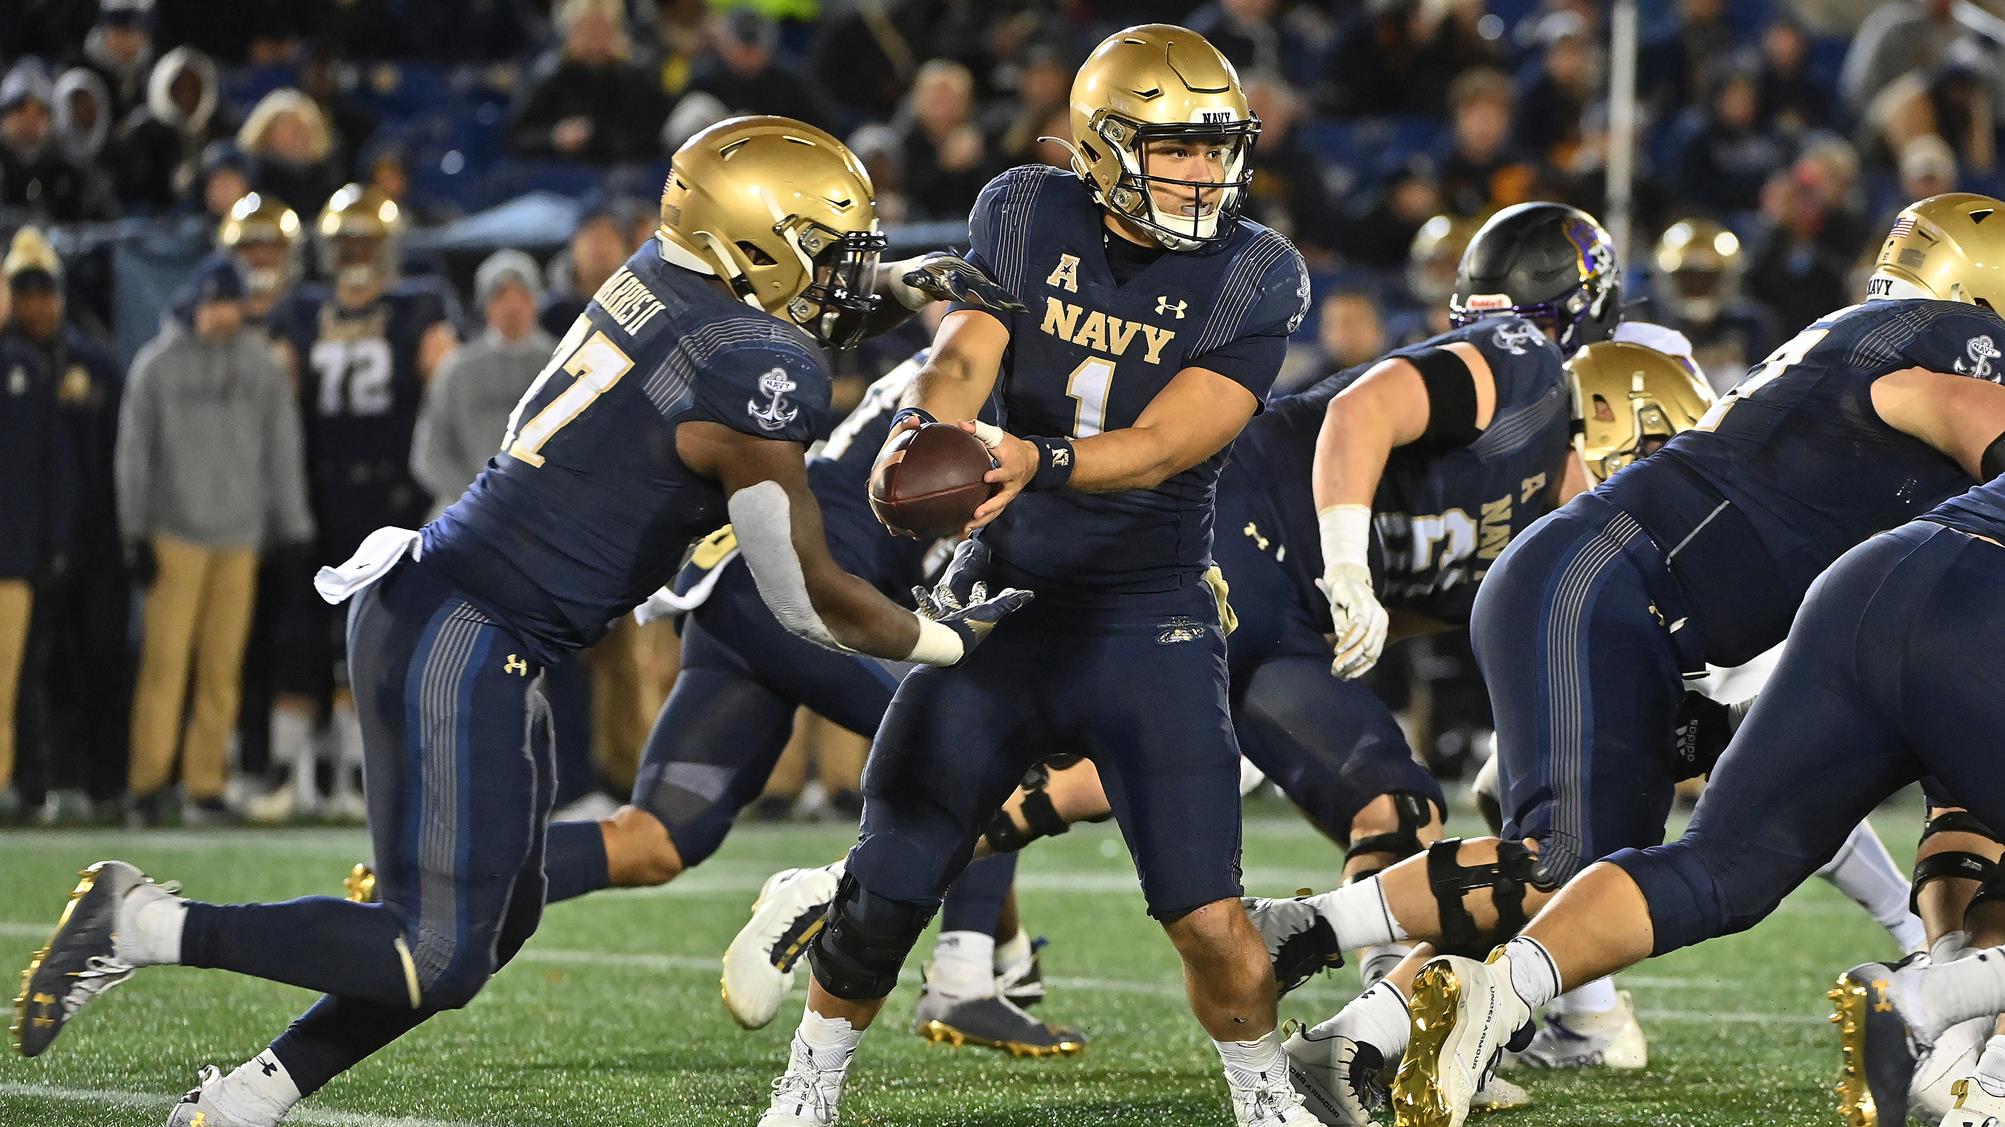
{"type": "Point", "coordinates": [1499, 1094]}
{"type": "Point", "coordinates": [1300, 942]}
{"type": "Point", "coordinates": [759, 963]}
{"type": "Point", "coordinates": [1261, 1099]}
{"type": "Point", "coordinates": [1023, 983]}
{"type": "Point", "coordinates": [359, 886]}
{"type": "Point", "coordinates": [1975, 1106]}
{"type": "Point", "coordinates": [809, 1092]}
{"type": "Point", "coordinates": [1341, 1080]}
{"type": "Point", "coordinates": [1938, 1068]}
{"type": "Point", "coordinates": [1463, 1014]}
{"type": "Point", "coordinates": [1610, 1040]}
{"type": "Point", "coordinates": [81, 959]}
{"type": "Point", "coordinates": [1877, 1055]}
{"type": "Point", "coordinates": [198, 1107]}
{"type": "Point", "coordinates": [992, 1023]}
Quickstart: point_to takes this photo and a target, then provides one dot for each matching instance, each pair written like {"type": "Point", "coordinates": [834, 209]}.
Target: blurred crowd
{"type": "Point", "coordinates": [340, 341]}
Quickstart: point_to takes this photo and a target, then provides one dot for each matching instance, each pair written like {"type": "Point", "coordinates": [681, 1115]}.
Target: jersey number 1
{"type": "Point", "coordinates": [1090, 384]}
{"type": "Point", "coordinates": [596, 365]}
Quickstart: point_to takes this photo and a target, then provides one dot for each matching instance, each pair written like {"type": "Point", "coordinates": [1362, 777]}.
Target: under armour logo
{"type": "Point", "coordinates": [1165, 305]}
{"type": "Point", "coordinates": [1253, 530]}
{"type": "Point", "coordinates": [777, 412]}
{"type": "Point", "coordinates": [515, 665]}
{"type": "Point", "coordinates": [268, 1065]}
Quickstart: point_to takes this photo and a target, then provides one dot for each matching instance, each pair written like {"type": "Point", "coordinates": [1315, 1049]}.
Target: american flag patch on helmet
{"type": "Point", "coordinates": [1903, 227]}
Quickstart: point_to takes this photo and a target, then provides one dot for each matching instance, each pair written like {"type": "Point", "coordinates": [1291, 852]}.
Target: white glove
{"type": "Point", "coordinates": [1359, 619]}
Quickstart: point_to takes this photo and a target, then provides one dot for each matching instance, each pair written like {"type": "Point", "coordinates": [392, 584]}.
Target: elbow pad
{"type": "Point", "coordinates": [763, 520]}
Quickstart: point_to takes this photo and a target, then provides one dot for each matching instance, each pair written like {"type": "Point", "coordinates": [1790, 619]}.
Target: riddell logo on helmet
{"type": "Point", "coordinates": [1487, 302]}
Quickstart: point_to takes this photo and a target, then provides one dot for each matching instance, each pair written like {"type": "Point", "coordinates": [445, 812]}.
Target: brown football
{"type": "Point", "coordinates": [928, 482]}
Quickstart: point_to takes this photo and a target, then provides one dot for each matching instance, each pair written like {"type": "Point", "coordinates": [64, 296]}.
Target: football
{"type": "Point", "coordinates": [928, 482]}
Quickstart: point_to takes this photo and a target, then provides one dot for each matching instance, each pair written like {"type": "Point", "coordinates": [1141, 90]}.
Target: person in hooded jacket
{"type": "Point", "coordinates": [161, 142]}
{"type": "Point", "coordinates": [119, 50]}
{"type": "Point", "coordinates": [211, 471]}
{"type": "Point", "coordinates": [84, 113]}
{"type": "Point", "coordinates": [35, 177]}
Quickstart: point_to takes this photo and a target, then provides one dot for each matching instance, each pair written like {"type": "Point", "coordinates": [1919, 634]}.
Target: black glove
{"type": "Point", "coordinates": [949, 277]}
{"type": "Point", "coordinates": [1703, 730]}
{"type": "Point", "coordinates": [140, 564]}
{"type": "Point", "coordinates": [960, 584]}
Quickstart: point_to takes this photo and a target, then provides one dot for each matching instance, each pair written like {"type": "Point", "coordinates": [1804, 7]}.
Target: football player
{"type": "Point", "coordinates": [364, 344]}
{"type": "Point", "coordinates": [684, 395]}
{"type": "Point", "coordinates": [1701, 554]}
{"type": "Point", "coordinates": [263, 235]}
{"type": "Point", "coordinates": [1699, 270]}
{"type": "Point", "coordinates": [728, 719]}
{"type": "Point", "coordinates": [1157, 322]}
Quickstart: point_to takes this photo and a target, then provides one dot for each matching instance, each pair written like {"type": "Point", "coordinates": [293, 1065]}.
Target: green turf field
{"type": "Point", "coordinates": [611, 1016]}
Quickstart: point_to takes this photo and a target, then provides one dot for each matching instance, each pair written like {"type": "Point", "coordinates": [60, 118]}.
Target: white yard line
{"type": "Point", "coordinates": [305, 1113]}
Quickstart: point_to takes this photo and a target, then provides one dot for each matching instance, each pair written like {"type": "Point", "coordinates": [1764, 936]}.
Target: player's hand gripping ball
{"type": "Point", "coordinates": [928, 481]}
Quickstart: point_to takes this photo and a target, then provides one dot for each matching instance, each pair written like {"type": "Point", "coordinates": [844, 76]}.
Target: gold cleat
{"type": "Point", "coordinates": [992, 1023]}
{"type": "Point", "coordinates": [360, 884]}
{"type": "Point", "coordinates": [1417, 1099]}
{"type": "Point", "coordinates": [1876, 1055]}
{"type": "Point", "coordinates": [77, 963]}
{"type": "Point", "coordinates": [940, 1033]}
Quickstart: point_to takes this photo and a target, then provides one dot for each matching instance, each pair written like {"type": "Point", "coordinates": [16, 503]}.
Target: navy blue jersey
{"type": "Point", "coordinates": [1794, 467]}
{"type": "Point", "coordinates": [588, 508]}
{"type": "Point", "coordinates": [1091, 354]}
{"type": "Point", "coordinates": [360, 387]}
{"type": "Point", "coordinates": [840, 478]}
{"type": "Point", "coordinates": [1980, 511]}
{"type": "Point", "coordinates": [1441, 516]}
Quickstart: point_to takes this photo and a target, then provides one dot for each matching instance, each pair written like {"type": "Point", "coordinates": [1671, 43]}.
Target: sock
{"type": "Point", "coordinates": [1597, 997]}
{"type": "Point", "coordinates": [574, 860]}
{"type": "Point", "coordinates": [1251, 1062]}
{"type": "Point", "coordinates": [336, 1034]}
{"type": "Point", "coordinates": [260, 1090]}
{"type": "Point", "coordinates": [153, 936]}
{"type": "Point", "coordinates": [1949, 946]}
{"type": "Point", "coordinates": [963, 965]}
{"type": "Point", "coordinates": [831, 1041]}
{"type": "Point", "coordinates": [1534, 975]}
{"type": "Point", "coordinates": [1359, 915]}
{"type": "Point", "coordinates": [1934, 997]}
{"type": "Point", "coordinates": [1013, 953]}
{"type": "Point", "coordinates": [1991, 1065]}
{"type": "Point", "coordinates": [974, 902]}
{"type": "Point", "coordinates": [1377, 1017]}
{"type": "Point", "coordinates": [1378, 960]}
{"type": "Point", "coordinates": [322, 943]}
{"type": "Point", "coordinates": [1863, 870]}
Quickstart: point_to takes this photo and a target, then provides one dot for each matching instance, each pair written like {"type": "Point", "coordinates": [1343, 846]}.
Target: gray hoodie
{"type": "Point", "coordinates": [209, 446]}
{"type": "Point", "coordinates": [466, 409]}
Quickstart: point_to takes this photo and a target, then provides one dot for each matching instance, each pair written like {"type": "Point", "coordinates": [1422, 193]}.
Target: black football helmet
{"type": "Point", "coordinates": [1549, 263]}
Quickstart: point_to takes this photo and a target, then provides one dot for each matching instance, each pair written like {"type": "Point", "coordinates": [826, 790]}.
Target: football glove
{"type": "Point", "coordinates": [945, 276]}
{"type": "Point", "coordinates": [958, 582]}
{"type": "Point", "coordinates": [974, 621]}
{"type": "Point", "coordinates": [1360, 621]}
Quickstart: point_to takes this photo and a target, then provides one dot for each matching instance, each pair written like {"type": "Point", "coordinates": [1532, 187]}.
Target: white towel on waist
{"type": "Point", "coordinates": [381, 550]}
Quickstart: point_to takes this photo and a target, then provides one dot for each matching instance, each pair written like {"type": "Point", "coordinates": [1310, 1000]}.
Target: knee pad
{"type": "Point", "coordinates": [856, 955]}
{"type": "Point", "coordinates": [1515, 869]}
{"type": "Point", "coordinates": [1957, 864]}
{"type": "Point", "coordinates": [1413, 812]}
{"type": "Point", "coordinates": [1038, 810]}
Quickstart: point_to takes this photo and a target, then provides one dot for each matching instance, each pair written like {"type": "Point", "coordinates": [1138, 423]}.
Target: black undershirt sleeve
{"type": "Point", "coordinates": [1451, 397]}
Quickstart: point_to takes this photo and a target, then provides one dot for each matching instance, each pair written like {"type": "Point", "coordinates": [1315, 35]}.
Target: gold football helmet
{"type": "Point", "coordinates": [262, 234]}
{"type": "Point", "coordinates": [1698, 269]}
{"type": "Point", "coordinates": [358, 232]}
{"type": "Point", "coordinates": [1436, 251]}
{"type": "Point", "coordinates": [1628, 401]}
{"type": "Point", "coordinates": [785, 215]}
{"type": "Point", "coordinates": [1949, 247]}
{"type": "Point", "coordinates": [30, 252]}
{"type": "Point", "coordinates": [1159, 82]}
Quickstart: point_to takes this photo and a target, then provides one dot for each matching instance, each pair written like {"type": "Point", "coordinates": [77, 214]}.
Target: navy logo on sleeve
{"type": "Point", "coordinates": [1515, 337]}
{"type": "Point", "coordinates": [777, 412]}
{"type": "Point", "coordinates": [1978, 353]}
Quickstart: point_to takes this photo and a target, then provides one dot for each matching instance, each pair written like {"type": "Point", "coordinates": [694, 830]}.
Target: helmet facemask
{"type": "Point", "coordinates": [841, 267]}
{"type": "Point", "coordinates": [1134, 194]}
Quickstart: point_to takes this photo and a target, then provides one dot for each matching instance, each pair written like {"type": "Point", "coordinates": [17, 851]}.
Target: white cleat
{"type": "Point", "coordinates": [1300, 942]}
{"type": "Point", "coordinates": [809, 1093]}
{"type": "Point", "coordinates": [759, 964]}
{"type": "Point", "coordinates": [1340, 1079]}
{"type": "Point", "coordinates": [1463, 1013]}
{"type": "Point", "coordinates": [199, 1109]}
{"type": "Point", "coordinates": [1952, 1057]}
{"type": "Point", "coordinates": [1499, 1094]}
{"type": "Point", "coordinates": [1607, 1040]}
{"type": "Point", "coordinates": [1261, 1099]}
{"type": "Point", "coordinates": [1976, 1105]}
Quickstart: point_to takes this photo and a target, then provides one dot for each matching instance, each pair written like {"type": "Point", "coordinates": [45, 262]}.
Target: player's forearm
{"type": "Point", "coordinates": [1129, 458]}
{"type": "Point", "coordinates": [860, 618]}
{"type": "Point", "coordinates": [949, 389]}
